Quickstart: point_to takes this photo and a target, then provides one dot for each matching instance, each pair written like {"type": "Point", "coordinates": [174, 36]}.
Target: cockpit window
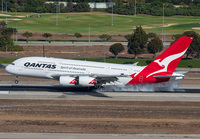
{"type": "Point", "coordinates": [12, 63]}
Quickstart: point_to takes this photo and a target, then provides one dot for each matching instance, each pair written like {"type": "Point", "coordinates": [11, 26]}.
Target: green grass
{"type": "Point", "coordinates": [7, 60]}
{"type": "Point", "coordinates": [142, 62]}
{"type": "Point", "coordinates": [101, 23]}
{"type": "Point", "coordinates": [185, 63]}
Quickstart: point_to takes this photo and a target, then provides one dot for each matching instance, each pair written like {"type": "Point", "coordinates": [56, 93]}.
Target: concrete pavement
{"type": "Point", "coordinates": [93, 136]}
{"type": "Point", "coordinates": [41, 43]}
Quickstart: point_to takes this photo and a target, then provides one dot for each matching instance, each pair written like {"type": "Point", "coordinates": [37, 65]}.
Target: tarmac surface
{"type": "Point", "coordinates": [83, 93]}
{"type": "Point", "coordinates": [39, 43]}
{"type": "Point", "coordinates": [37, 108]}
{"type": "Point", "coordinates": [93, 136]}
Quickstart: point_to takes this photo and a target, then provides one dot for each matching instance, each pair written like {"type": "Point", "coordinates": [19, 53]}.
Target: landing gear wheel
{"type": "Point", "coordinates": [16, 81]}
{"type": "Point", "coordinates": [99, 87]}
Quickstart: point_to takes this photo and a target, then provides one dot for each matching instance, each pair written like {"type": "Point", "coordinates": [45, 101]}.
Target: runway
{"type": "Point", "coordinates": [51, 111]}
{"type": "Point", "coordinates": [94, 136]}
{"type": "Point", "coordinates": [83, 93]}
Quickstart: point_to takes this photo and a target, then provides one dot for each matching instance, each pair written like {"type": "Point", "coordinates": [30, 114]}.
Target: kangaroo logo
{"type": "Point", "coordinates": [92, 82]}
{"type": "Point", "coordinates": [159, 63]}
{"type": "Point", "coordinates": [165, 62]}
{"type": "Point", "coordinates": [73, 81]}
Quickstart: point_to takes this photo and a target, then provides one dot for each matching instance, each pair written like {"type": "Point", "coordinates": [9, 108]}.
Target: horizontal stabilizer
{"type": "Point", "coordinates": [171, 77]}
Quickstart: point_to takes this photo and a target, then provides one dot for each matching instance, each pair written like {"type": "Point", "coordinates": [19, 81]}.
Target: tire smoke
{"type": "Point", "coordinates": [154, 87]}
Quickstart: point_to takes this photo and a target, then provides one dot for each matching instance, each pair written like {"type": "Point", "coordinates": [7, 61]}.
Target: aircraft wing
{"type": "Point", "coordinates": [91, 75]}
{"type": "Point", "coordinates": [101, 78]}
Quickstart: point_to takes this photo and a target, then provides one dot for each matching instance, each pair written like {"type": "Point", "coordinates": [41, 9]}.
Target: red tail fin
{"type": "Point", "coordinates": [166, 63]}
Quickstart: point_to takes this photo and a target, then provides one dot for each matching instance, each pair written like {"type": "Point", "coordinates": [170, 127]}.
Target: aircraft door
{"type": "Point", "coordinates": [46, 70]}
{"type": "Point", "coordinates": [130, 71]}
{"type": "Point", "coordinates": [107, 69]}
{"type": "Point", "coordinates": [141, 79]}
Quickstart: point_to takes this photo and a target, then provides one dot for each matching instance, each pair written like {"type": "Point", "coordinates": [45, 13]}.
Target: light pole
{"type": "Point", "coordinates": [16, 32]}
{"type": "Point", "coordinates": [15, 7]}
{"type": "Point", "coordinates": [163, 24]}
{"type": "Point", "coordinates": [57, 10]}
{"type": "Point", "coordinates": [89, 35]}
{"type": "Point", "coordinates": [13, 34]}
{"type": "Point", "coordinates": [104, 57]}
{"type": "Point", "coordinates": [135, 8]}
{"type": "Point", "coordinates": [59, 7]}
{"type": "Point", "coordinates": [2, 6]}
{"type": "Point", "coordinates": [56, 14]}
{"type": "Point", "coordinates": [6, 11]}
{"type": "Point", "coordinates": [112, 16]}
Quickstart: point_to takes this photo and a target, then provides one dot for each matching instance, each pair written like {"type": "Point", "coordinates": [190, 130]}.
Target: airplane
{"type": "Point", "coordinates": [97, 74]}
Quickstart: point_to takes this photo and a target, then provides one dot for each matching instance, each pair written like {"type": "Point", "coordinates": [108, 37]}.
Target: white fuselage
{"type": "Point", "coordinates": [43, 67]}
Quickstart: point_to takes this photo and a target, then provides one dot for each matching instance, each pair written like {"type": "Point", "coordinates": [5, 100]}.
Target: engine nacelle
{"type": "Point", "coordinates": [67, 81]}
{"type": "Point", "coordinates": [86, 81]}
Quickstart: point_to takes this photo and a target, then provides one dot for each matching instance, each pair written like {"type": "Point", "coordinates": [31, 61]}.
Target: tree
{"type": "Point", "coordinates": [69, 7]}
{"type": "Point", "coordinates": [194, 48]}
{"type": "Point", "coordinates": [46, 35]}
{"type": "Point", "coordinates": [77, 35]}
{"type": "Point", "coordinates": [116, 49]}
{"type": "Point", "coordinates": [151, 35]}
{"type": "Point", "coordinates": [34, 5]}
{"type": "Point", "coordinates": [128, 36]}
{"type": "Point", "coordinates": [82, 7]}
{"type": "Point", "coordinates": [27, 35]}
{"type": "Point", "coordinates": [2, 24]}
{"type": "Point", "coordinates": [8, 31]}
{"type": "Point", "coordinates": [137, 42]}
{"type": "Point", "coordinates": [105, 37]}
{"type": "Point", "coordinates": [154, 46]}
{"type": "Point", "coordinates": [50, 8]}
{"type": "Point", "coordinates": [5, 40]}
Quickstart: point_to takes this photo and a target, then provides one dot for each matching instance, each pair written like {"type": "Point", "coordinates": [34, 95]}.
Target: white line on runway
{"type": "Point", "coordinates": [94, 136]}
{"type": "Point", "coordinates": [4, 92]}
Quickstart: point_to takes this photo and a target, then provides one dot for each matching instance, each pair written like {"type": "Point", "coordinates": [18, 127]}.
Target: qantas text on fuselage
{"type": "Point", "coordinates": [85, 73]}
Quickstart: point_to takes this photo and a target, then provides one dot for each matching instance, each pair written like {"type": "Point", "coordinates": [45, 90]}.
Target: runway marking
{"type": "Point", "coordinates": [4, 92]}
{"type": "Point", "coordinates": [96, 136]}
{"type": "Point", "coordinates": [6, 85]}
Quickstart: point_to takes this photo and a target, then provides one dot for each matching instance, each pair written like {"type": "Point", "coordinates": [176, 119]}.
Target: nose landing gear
{"type": "Point", "coordinates": [16, 81]}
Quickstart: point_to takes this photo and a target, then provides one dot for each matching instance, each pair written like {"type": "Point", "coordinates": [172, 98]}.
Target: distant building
{"type": "Point", "coordinates": [100, 5]}
{"type": "Point", "coordinates": [178, 6]}
{"type": "Point", "coordinates": [91, 4]}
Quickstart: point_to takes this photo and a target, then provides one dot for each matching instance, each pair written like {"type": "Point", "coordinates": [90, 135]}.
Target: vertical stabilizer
{"type": "Point", "coordinates": [166, 63]}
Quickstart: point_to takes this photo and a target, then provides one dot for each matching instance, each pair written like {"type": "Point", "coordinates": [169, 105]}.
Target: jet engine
{"type": "Point", "coordinates": [86, 81]}
{"type": "Point", "coordinates": [67, 81]}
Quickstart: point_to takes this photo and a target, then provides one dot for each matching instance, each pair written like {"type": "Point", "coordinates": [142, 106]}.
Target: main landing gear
{"type": "Point", "coordinates": [16, 80]}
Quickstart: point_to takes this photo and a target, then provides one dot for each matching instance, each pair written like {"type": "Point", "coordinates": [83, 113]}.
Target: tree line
{"type": "Point", "coordinates": [176, 2]}
{"type": "Point", "coordinates": [155, 8]}
{"type": "Point", "coordinates": [81, 0]}
{"type": "Point", "coordinates": [151, 7]}
{"type": "Point", "coordinates": [39, 6]}
{"type": "Point", "coordinates": [140, 42]}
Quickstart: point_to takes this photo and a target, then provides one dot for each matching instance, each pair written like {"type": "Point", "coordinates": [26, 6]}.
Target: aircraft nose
{"type": "Point", "coordinates": [8, 69]}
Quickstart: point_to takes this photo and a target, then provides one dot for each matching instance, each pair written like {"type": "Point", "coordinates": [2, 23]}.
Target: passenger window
{"type": "Point", "coordinates": [12, 63]}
